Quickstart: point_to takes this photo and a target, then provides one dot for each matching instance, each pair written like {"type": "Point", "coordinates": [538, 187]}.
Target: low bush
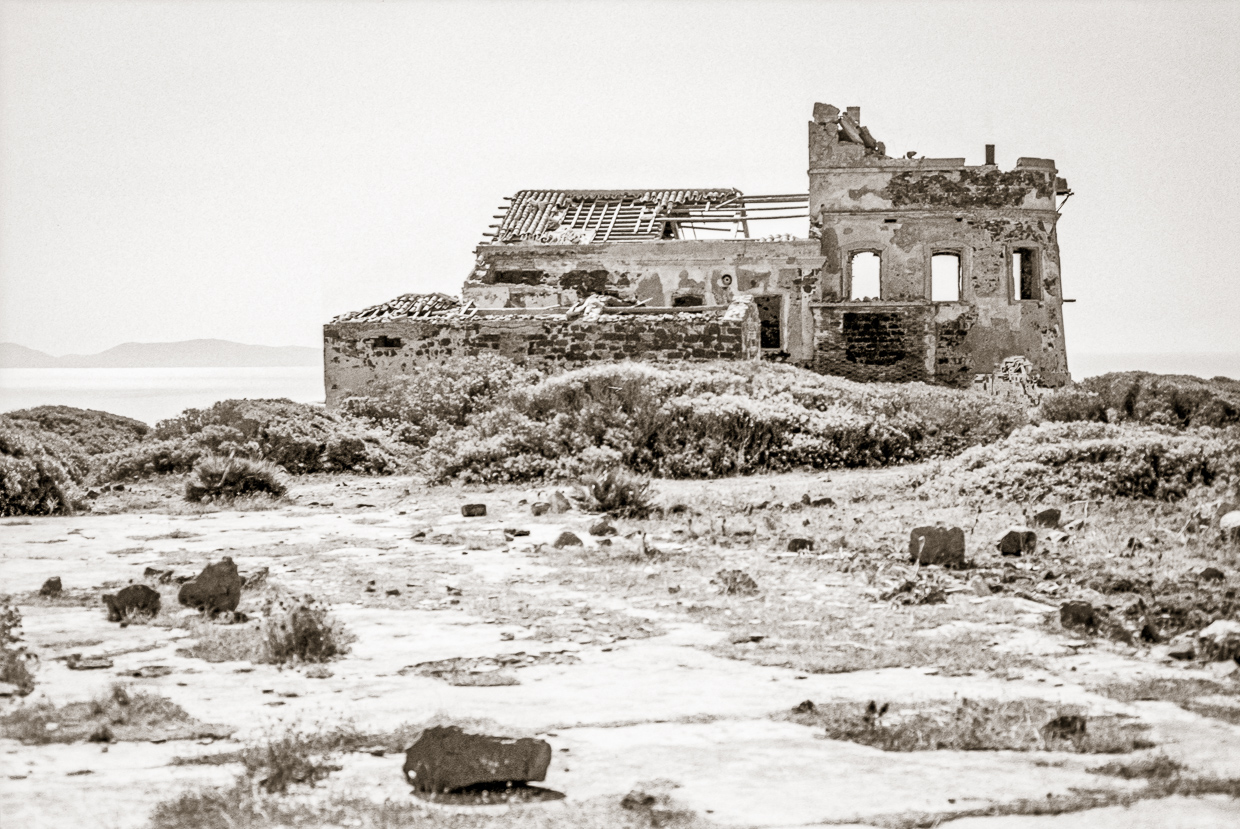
{"type": "Point", "coordinates": [440, 396]}
{"type": "Point", "coordinates": [302, 630]}
{"type": "Point", "coordinates": [14, 658]}
{"type": "Point", "coordinates": [297, 437]}
{"type": "Point", "coordinates": [711, 419]}
{"type": "Point", "coordinates": [1094, 460]}
{"type": "Point", "coordinates": [93, 432]}
{"type": "Point", "coordinates": [39, 471]}
{"type": "Point", "coordinates": [216, 478]}
{"type": "Point", "coordinates": [119, 715]}
{"type": "Point", "coordinates": [1159, 399]}
{"type": "Point", "coordinates": [615, 491]}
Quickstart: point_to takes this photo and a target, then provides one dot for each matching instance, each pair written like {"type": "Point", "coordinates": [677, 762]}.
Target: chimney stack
{"type": "Point", "coordinates": [855, 114]}
{"type": "Point", "coordinates": [990, 153]}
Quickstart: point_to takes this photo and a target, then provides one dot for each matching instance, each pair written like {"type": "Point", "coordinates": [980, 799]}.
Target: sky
{"type": "Point", "coordinates": [248, 170]}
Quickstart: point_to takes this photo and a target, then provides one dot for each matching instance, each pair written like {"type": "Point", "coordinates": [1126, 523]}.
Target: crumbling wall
{"type": "Point", "coordinates": [872, 341]}
{"type": "Point", "coordinates": [357, 352]}
{"type": "Point", "coordinates": [660, 274]}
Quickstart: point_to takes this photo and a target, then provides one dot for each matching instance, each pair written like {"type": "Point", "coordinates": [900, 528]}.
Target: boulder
{"type": "Point", "coordinates": [602, 527]}
{"type": "Point", "coordinates": [1078, 615]}
{"type": "Point", "coordinates": [474, 510]}
{"type": "Point", "coordinates": [1220, 641]}
{"type": "Point", "coordinates": [51, 587]}
{"type": "Point", "coordinates": [216, 589]}
{"type": "Point", "coordinates": [1017, 541]}
{"type": "Point", "coordinates": [136, 599]}
{"type": "Point", "coordinates": [446, 758]}
{"type": "Point", "coordinates": [540, 508]}
{"type": "Point", "coordinates": [1210, 574]}
{"type": "Point", "coordinates": [567, 539]}
{"type": "Point", "coordinates": [559, 503]}
{"type": "Point", "coordinates": [943, 546]}
{"type": "Point", "coordinates": [1048, 518]}
{"type": "Point", "coordinates": [798, 545]}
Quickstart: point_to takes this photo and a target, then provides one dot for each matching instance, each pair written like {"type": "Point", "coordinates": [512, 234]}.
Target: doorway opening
{"type": "Point", "coordinates": [769, 315]}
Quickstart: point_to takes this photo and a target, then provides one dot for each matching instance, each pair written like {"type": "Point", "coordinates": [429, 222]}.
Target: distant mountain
{"type": "Point", "coordinates": [186, 354]}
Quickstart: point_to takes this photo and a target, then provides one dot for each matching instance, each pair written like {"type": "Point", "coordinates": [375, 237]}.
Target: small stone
{"type": "Point", "coordinates": [77, 662]}
{"type": "Point", "coordinates": [567, 539]}
{"type": "Point", "coordinates": [515, 532]}
{"type": "Point", "coordinates": [559, 503]}
{"type": "Point", "coordinates": [1183, 647]}
{"type": "Point", "coordinates": [601, 527]}
{"type": "Point", "coordinates": [9, 690]}
{"type": "Point", "coordinates": [1220, 641]}
{"type": "Point", "coordinates": [474, 510]}
{"type": "Point", "coordinates": [446, 758]}
{"type": "Point", "coordinates": [1058, 537]}
{"type": "Point", "coordinates": [51, 587]}
{"type": "Point", "coordinates": [1078, 615]}
{"type": "Point", "coordinates": [217, 589]}
{"type": "Point", "coordinates": [1210, 574]}
{"type": "Point", "coordinates": [393, 592]}
{"type": "Point", "coordinates": [540, 508]}
{"type": "Point", "coordinates": [1066, 727]}
{"type": "Point", "coordinates": [1075, 524]}
{"type": "Point", "coordinates": [943, 546]}
{"type": "Point", "coordinates": [1017, 541]}
{"type": "Point", "coordinates": [980, 587]}
{"type": "Point", "coordinates": [1048, 518]}
{"type": "Point", "coordinates": [136, 599]}
{"type": "Point", "coordinates": [806, 707]}
{"type": "Point", "coordinates": [797, 545]}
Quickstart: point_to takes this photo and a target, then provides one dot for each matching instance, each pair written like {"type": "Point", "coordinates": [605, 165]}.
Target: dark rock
{"type": "Point", "coordinates": [445, 759]}
{"type": "Point", "coordinates": [1048, 518]}
{"type": "Point", "coordinates": [806, 707]}
{"type": "Point", "coordinates": [1078, 615]}
{"type": "Point", "coordinates": [1210, 574]}
{"type": "Point", "coordinates": [601, 528]}
{"type": "Point", "coordinates": [136, 599]}
{"type": "Point", "coordinates": [817, 502]}
{"type": "Point", "coordinates": [1066, 727]}
{"type": "Point", "coordinates": [1135, 543]}
{"type": "Point", "coordinates": [51, 587]}
{"type": "Point", "coordinates": [161, 576]}
{"type": "Point", "coordinates": [943, 546]}
{"type": "Point", "coordinates": [1018, 541]}
{"type": "Point", "coordinates": [216, 589]}
{"type": "Point", "coordinates": [540, 508]}
{"type": "Point", "coordinates": [567, 539]}
{"type": "Point", "coordinates": [393, 592]}
{"type": "Point", "coordinates": [516, 533]}
{"type": "Point", "coordinates": [474, 510]}
{"type": "Point", "coordinates": [797, 545]}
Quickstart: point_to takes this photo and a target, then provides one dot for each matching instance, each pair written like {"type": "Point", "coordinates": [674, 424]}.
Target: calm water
{"type": "Point", "coordinates": [152, 394]}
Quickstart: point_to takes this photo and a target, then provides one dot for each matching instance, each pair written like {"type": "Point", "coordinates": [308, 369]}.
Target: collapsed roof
{"type": "Point", "coordinates": [582, 217]}
{"type": "Point", "coordinates": [410, 306]}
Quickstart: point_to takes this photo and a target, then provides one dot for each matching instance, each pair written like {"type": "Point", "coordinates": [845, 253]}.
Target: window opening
{"type": "Point", "coordinates": [687, 301]}
{"type": "Point", "coordinates": [1025, 273]}
{"type": "Point", "coordinates": [945, 277]}
{"type": "Point", "coordinates": [385, 342]}
{"type": "Point", "coordinates": [864, 268]}
{"type": "Point", "coordinates": [769, 314]}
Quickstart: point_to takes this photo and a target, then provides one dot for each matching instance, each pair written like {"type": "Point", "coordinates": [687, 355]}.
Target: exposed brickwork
{"type": "Point", "coordinates": [872, 342]}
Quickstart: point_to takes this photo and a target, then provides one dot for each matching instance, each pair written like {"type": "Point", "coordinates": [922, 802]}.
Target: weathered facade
{"type": "Point", "coordinates": [913, 269]}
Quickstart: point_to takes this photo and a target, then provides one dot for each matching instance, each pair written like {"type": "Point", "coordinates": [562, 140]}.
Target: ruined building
{"type": "Point", "coordinates": [912, 269]}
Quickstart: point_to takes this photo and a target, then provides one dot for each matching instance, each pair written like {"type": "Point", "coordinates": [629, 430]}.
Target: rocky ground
{"type": "Point", "coordinates": [711, 665]}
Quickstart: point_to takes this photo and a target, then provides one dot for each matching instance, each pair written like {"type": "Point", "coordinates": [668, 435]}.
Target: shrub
{"type": "Point", "coordinates": [711, 419]}
{"type": "Point", "coordinates": [298, 437]}
{"type": "Point", "coordinates": [1159, 399]}
{"type": "Point", "coordinates": [218, 478]}
{"type": "Point", "coordinates": [439, 396]}
{"type": "Point", "coordinates": [93, 432]}
{"type": "Point", "coordinates": [302, 630]}
{"type": "Point", "coordinates": [1093, 460]}
{"type": "Point", "coordinates": [39, 471]}
{"type": "Point", "coordinates": [13, 655]}
{"type": "Point", "coordinates": [615, 491]}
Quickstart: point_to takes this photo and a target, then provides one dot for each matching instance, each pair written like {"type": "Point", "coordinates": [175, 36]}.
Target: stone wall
{"type": "Point", "coordinates": [357, 352]}
{"type": "Point", "coordinates": [873, 341]}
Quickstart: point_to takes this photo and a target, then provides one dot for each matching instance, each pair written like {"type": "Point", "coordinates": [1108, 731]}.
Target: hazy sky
{"type": "Point", "coordinates": [246, 170]}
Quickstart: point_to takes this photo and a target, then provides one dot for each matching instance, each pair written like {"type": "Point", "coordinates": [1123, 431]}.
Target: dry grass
{"type": "Point", "coordinates": [972, 725]}
{"type": "Point", "coordinates": [1190, 694]}
{"type": "Point", "coordinates": [120, 715]}
{"type": "Point", "coordinates": [291, 631]}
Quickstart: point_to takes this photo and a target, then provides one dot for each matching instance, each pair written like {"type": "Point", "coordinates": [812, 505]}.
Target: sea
{"type": "Point", "coordinates": [154, 394]}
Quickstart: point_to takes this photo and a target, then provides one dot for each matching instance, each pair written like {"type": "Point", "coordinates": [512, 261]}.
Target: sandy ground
{"type": "Point", "coordinates": [635, 688]}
